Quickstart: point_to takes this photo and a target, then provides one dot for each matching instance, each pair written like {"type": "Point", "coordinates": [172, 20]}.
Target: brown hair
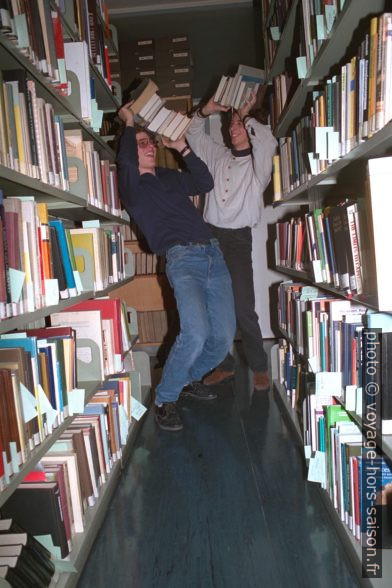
{"type": "Point", "coordinates": [140, 129]}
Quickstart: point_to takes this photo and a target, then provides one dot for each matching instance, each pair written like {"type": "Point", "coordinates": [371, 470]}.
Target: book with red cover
{"type": "Point", "coordinates": [110, 310]}
{"type": "Point", "coordinates": [35, 476]}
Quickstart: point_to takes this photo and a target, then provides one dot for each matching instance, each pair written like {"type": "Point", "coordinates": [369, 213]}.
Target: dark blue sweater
{"type": "Point", "coordinates": [160, 204]}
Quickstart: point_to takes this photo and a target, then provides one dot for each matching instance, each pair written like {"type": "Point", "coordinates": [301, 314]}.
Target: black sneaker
{"type": "Point", "coordinates": [167, 417]}
{"type": "Point", "coordinates": [199, 391]}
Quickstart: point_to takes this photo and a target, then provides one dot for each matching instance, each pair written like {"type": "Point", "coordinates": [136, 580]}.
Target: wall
{"type": "Point", "coordinates": [220, 39]}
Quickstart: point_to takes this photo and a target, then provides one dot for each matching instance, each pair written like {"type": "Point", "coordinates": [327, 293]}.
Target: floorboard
{"type": "Point", "coordinates": [221, 504]}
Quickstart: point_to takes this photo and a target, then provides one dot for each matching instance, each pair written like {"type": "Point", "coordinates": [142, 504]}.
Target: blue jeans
{"type": "Point", "coordinates": [202, 287]}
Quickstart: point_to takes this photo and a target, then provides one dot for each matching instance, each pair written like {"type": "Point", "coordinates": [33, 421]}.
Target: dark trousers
{"type": "Point", "coordinates": [236, 245]}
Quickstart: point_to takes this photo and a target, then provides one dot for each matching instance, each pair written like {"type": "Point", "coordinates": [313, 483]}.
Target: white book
{"type": "Point", "coordinates": [77, 61]}
{"type": "Point", "coordinates": [181, 128]}
{"type": "Point", "coordinates": [224, 99]}
{"type": "Point", "coordinates": [149, 104]}
{"type": "Point", "coordinates": [173, 125]}
{"type": "Point", "coordinates": [166, 122]}
{"type": "Point", "coordinates": [154, 110]}
{"type": "Point", "coordinates": [238, 98]}
{"type": "Point", "coordinates": [220, 89]}
{"type": "Point", "coordinates": [158, 119]}
{"type": "Point", "coordinates": [234, 88]}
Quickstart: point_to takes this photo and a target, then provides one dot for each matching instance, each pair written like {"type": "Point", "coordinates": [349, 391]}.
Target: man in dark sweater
{"type": "Point", "coordinates": [158, 200]}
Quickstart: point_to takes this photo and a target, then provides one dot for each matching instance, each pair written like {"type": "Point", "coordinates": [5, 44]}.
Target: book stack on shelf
{"type": "Point", "coordinates": [24, 561]}
{"type": "Point", "coordinates": [334, 159]}
{"type": "Point", "coordinates": [72, 392]}
{"type": "Point", "coordinates": [165, 60]}
{"type": "Point", "coordinates": [234, 90]}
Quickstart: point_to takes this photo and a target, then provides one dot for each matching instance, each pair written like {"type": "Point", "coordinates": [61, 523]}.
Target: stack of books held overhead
{"type": "Point", "coordinates": [151, 113]}
{"type": "Point", "coordinates": [234, 90]}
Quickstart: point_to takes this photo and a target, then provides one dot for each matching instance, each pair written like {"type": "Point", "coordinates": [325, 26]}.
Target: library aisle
{"type": "Point", "coordinates": [221, 504]}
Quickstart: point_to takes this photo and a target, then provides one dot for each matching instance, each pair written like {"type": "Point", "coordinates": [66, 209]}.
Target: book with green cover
{"type": "Point", "coordinates": [333, 414]}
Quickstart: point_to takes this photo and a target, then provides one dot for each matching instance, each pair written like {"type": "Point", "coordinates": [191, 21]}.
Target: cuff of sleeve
{"type": "Point", "coordinates": [200, 114]}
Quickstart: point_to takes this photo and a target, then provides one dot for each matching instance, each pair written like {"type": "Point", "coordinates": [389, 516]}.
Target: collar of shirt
{"type": "Point", "coordinates": [241, 152]}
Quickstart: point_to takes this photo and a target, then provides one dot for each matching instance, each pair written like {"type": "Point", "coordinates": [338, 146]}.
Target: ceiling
{"type": "Point", "coordinates": [136, 7]}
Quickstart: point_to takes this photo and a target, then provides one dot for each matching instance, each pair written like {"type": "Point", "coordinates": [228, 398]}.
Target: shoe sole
{"type": "Point", "coordinates": [196, 397]}
{"type": "Point", "coordinates": [167, 428]}
{"type": "Point", "coordinates": [228, 379]}
{"type": "Point", "coordinates": [264, 389]}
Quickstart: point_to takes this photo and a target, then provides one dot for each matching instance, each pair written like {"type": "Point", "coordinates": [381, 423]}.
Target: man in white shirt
{"type": "Point", "coordinates": [241, 174]}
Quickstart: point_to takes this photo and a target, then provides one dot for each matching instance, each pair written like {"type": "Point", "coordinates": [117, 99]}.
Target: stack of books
{"type": "Point", "coordinates": [152, 114]}
{"type": "Point", "coordinates": [233, 90]}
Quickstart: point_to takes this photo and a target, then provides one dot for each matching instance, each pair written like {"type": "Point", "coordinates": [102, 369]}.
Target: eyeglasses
{"type": "Point", "coordinates": [144, 143]}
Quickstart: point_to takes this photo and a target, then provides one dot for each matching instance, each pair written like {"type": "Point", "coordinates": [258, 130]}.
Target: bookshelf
{"type": "Point", "coordinates": [343, 175]}
{"type": "Point", "coordinates": [72, 207]}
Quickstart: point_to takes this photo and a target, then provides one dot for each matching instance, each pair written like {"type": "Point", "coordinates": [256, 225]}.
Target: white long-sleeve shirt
{"type": "Point", "coordinates": [240, 180]}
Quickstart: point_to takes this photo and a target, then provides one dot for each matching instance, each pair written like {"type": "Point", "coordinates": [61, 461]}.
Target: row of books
{"type": "Point", "coordinates": [333, 443]}
{"type": "Point", "coordinates": [311, 319]}
{"type": "Point", "coordinates": [234, 90]}
{"type": "Point", "coordinates": [53, 499]}
{"type": "Point", "coordinates": [347, 243]}
{"type": "Point", "coordinates": [43, 261]}
{"type": "Point", "coordinates": [349, 108]}
{"type": "Point", "coordinates": [273, 18]}
{"type": "Point", "coordinates": [91, 20]}
{"type": "Point", "coordinates": [33, 141]}
{"type": "Point", "coordinates": [31, 135]}
{"type": "Point", "coordinates": [36, 29]}
{"type": "Point", "coordinates": [284, 86]}
{"type": "Point", "coordinates": [90, 175]}
{"type": "Point", "coordinates": [151, 113]}
{"type": "Point", "coordinates": [326, 242]}
{"type": "Point", "coordinates": [330, 332]}
{"type": "Point", "coordinates": [154, 325]}
{"type": "Point", "coordinates": [148, 263]}
{"type": "Point", "coordinates": [315, 21]}
{"type": "Point", "coordinates": [41, 369]}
